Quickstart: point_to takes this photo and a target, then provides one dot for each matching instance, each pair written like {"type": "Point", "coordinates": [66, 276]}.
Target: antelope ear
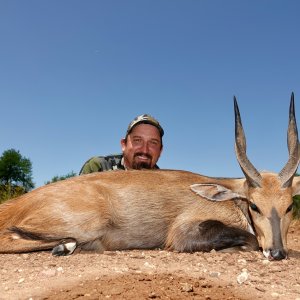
{"type": "Point", "coordinates": [214, 192]}
{"type": "Point", "coordinates": [296, 186]}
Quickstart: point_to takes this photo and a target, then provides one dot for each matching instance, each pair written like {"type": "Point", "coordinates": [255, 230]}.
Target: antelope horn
{"type": "Point", "coordinates": [286, 175]}
{"type": "Point", "coordinates": [253, 177]}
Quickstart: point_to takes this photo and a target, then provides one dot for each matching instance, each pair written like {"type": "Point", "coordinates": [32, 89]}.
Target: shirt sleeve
{"type": "Point", "coordinates": [92, 165]}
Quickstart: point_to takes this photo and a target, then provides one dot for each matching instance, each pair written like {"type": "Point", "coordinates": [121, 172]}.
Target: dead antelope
{"type": "Point", "coordinates": [175, 210]}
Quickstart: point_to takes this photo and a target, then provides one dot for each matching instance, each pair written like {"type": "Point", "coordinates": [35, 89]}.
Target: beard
{"type": "Point", "coordinates": [138, 165]}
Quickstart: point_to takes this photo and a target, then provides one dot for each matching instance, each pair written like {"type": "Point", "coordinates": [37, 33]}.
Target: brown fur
{"type": "Point", "coordinates": [132, 209]}
{"type": "Point", "coordinates": [111, 206]}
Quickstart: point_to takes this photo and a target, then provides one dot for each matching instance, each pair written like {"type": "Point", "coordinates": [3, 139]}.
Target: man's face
{"type": "Point", "coordinates": [142, 148]}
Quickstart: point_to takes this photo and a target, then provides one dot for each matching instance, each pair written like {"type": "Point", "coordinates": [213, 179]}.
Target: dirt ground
{"type": "Point", "coordinates": [154, 274]}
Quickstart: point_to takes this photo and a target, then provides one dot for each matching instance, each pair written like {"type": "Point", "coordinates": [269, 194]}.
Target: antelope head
{"type": "Point", "coordinates": [270, 195]}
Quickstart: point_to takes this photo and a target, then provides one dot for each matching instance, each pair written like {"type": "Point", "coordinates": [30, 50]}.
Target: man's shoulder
{"type": "Point", "coordinates": [101, 163]}
{"type": "Point", "coordinates": [100, 158]}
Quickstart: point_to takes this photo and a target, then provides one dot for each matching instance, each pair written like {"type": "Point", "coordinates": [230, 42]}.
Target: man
{"type": "Point", "coordinates": [141, 148]}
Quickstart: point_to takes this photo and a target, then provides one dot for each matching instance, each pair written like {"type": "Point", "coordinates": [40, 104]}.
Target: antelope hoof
{"type": "Point", "coordinates": [64, 248]}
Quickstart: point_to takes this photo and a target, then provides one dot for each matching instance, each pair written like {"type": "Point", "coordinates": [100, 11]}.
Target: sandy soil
{"type": "Point", "coordinates": [152, 275]}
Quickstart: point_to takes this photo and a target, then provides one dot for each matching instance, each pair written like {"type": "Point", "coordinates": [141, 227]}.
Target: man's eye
{"type": "Point", "coordinates": [137, 141]}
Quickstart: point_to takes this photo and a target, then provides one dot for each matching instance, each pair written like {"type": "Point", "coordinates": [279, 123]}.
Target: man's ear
{"type": "Point", "coordinates": [214, 192]}
{"type": "Point", "coordinates": [123, 144]}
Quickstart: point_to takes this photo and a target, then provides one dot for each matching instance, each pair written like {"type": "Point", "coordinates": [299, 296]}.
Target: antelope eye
{"type": "Point", "coordinates": [290, 208]}
{"type": "Point", "coordinates": [254, 207]}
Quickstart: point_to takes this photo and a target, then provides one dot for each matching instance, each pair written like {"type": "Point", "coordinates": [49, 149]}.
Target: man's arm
{"type": "Point", "coordinates": [92, 165]}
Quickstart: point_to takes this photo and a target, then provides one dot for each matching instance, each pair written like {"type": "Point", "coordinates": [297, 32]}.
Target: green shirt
{"type": "Point", "coordinates": [103, 163]}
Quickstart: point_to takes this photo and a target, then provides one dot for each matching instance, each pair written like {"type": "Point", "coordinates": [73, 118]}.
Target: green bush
{"type": "Point", "coordinates": [7, 193]}
{"type": "Point", "coordinates": [59, 178]}
{"type": "Point", "coordinates": [296, 209]}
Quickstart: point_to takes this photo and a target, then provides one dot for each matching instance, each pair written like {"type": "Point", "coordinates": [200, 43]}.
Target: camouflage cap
{"type": "Point", "coordinates": [145, 119]}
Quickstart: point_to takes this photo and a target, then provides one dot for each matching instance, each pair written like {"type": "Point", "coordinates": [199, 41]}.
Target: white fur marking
{"type": "Point", "coordinates": [266, 253]}
{"type": "Point", "coordinates": [71, 246]}
{"type": "Point", "coordinates": [250, 229]}
{"type": "Point", "coordinates": [15, 236]}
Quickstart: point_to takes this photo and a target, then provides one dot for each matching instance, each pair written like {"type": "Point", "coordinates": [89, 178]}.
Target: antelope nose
{"type": "Point", "coordinates": [278, 254]}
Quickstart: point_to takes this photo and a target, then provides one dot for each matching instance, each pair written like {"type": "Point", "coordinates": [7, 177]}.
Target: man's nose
{"type": "Point", "coordinates": [145, 148]}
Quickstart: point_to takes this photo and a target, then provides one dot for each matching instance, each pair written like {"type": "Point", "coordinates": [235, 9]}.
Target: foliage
{"type": "Point", "coordinates": [12, 192]}
{"type": "Point", "coordinates": [15, 174]}
{"type": "Point", "coordinates": [296, 209]}
{"type": "Point", "coordinates": [59, 178]}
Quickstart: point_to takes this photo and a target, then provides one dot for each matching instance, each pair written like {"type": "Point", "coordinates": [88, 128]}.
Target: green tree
{"type": "Point", "coordinates": [296, 209]}
{"type": "Point", "coordinates": [15, 173]}
{"type": "Point", "coordinates": [59, 178]}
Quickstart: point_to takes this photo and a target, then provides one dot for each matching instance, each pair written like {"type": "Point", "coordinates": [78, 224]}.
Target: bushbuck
{"type": "Point", "coordinates": [170, 209]}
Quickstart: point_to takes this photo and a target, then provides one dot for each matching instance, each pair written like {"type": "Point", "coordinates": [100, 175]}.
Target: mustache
{"type": "Point", "coordinates": [143, 154]}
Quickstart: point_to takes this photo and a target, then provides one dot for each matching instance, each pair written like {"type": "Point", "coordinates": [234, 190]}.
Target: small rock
{"type": "Point", "coordinates": [152, 295]}
{"type": "Point", "coordinates": [21, 280]}
{"type": "Point", "coordinates": [275, 295]}
{"type": "Point", "coordinates": [186, 287]}
{"type": "Point", "coordinates": [242, 277]}
{"type": "Point", "coordinates": [214, 274]}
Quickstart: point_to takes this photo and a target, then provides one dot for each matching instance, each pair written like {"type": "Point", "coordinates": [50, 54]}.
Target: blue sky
{"type": "Point", "coordinates": [73, 74]}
